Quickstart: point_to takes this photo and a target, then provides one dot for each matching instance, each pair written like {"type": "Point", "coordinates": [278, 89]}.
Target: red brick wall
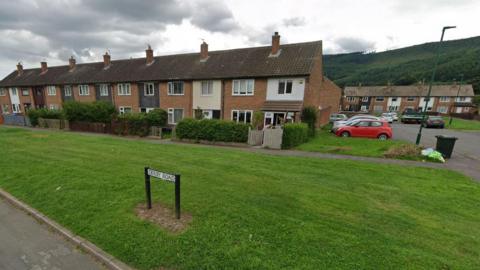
{"type": "Point", "coordinates": [127, 101]}
{"type": "Point", "coordinates": [178, 102]}
{"type": "Point", "coordinates": [255, 102]}
{"type": "Point", "coordinates": [5, 100]}
{"type": "Point", "coordinates": [56, 100]}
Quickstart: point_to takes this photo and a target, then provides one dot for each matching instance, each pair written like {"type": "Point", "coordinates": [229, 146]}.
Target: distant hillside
{"type": "Point", "coordinates": [408, 65]}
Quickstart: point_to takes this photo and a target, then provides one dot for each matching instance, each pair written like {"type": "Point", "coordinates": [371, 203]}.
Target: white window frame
{"type": "Point", "coordinates": [238, 112]}
{"type": "Point", "coordinates": [171, 88]}
{"type": "Point", "coordinates": [171, 116]}
{"type": "Point", "coordinates": [83, 90]}
{"type": "Point", "coordinates": [67, 90]}
{"type": "Point", "coordinates": [124, 89]}
{"type": "Point", "coordinates": [53, 107]}
{"type": "Point", "coordinates": [461, 99]}
{"type": "Point", "coordinates": [16, 108]}
{"type": "Point", "coordinates": [208, 85]}
{"type": "Point", "coordinates": [5, 108]}
{"type": "Point", "coordinates": [285, 82]}
{"type": "Point", "coordinates": [3, 92]}
{"type": "Point", "coordinates": [149, 89]}
{"type": "Point", "coordinates": [121, 109]}
{"type": "Point", "coordinates": [350, 99]}
{"type": "Point", "coordinates": [103, 88]}
{"type": "Point", "coordinates": [442, 109]}
{"type": "Point", "coordinates": [27, 91]}
{"type": "Point", "coordinates": [248, 86]}
{"type": "Point", "coordinates": [364, 99]}
{"type": "Point", "coordinates": [379, 99]}
{"type": "Point", "coordinates": [411, 98]}
{"type": "Point", "coordinates": [444, 99]}
{"type": "Point", "coordinates": [147, 110]}
{"type": "Point", "coordinates": [51, 90]}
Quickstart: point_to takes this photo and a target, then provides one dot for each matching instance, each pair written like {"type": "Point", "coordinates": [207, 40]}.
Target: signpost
{"type": "Point", "coordinates": [173, 178]}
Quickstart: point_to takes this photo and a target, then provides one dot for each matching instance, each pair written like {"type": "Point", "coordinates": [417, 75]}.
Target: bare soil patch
{"type": "Point", "coordinates": [164, 217]}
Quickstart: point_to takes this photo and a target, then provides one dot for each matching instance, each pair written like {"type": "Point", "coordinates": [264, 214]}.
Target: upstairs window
{"type": "Point", "coordinates": [379, 99]}
{"type": "Point", "coordinates": [243, 87]}
{"type": "Point", "coordinates": [351, 99]}
{"type": "Point", "coordinates": [83, 90]}
{"type": "Point", "coordinates": [3, 92]}
{"type": "Point", "coordinates": [67, 90]}
{"type": "Point", "coordinates": [365, 99]}
{"type": "Point", "coordinates": [207, 88]}
{"type": "Point", "coordinates": [285, 87]}
{"type": "Point", "coordinates": [124, 89]}
{"type": "Point", "coordinates": [14, 91]}
{"type": "Point", "coordinates": [51, 91]}
{"type": "Point", "coordinates": [25, 92]}
{"type": "Point", "coordinates": [149, 89]}
{"type": "Point", "coordinates": [104, 90]}
{"type": "Point", "coordinates": [394, 99]}
{"type": "Point", "coordinates": [175, 88]}
{"type": "Point", "coordinates": [410, 98]}
{"type": "Point", "coordinates": [444, 99]}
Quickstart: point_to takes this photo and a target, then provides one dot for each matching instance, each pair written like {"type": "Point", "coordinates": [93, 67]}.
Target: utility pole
{"type": "Point", "coordinates": [456, 98]}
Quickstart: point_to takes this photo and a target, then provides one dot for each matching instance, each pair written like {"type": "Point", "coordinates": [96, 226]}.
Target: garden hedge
{"type": "Point", "coordinates": [35, 114]}
{"type": "Point", "coordinates": [294, 134]}
{"type": "Point", "coordinates": [212, 130]}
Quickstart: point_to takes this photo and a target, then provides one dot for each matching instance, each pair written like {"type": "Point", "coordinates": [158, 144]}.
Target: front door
{"type": "Point", "coordinates": [278, 119]}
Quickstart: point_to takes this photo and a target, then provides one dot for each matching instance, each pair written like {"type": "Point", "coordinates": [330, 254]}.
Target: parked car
{"type": "Point", "coordinates": [434, 122]}
{"type": "Point", "coordinates": [338, 124]}
{"type": "Point", "coordinates": [366, 128]}
{"type": "Point", "coordinates": [387, 117]}
{"type": "Point", "coordinates": [411, 116]}
{"type": "Point", "coordinates": [394, 115]}
{"type": "Point", "coordinates": [337, 117]}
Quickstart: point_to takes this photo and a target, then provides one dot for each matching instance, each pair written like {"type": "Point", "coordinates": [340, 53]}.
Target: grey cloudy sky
{"type": "Point", "coordinates": [53, 30]}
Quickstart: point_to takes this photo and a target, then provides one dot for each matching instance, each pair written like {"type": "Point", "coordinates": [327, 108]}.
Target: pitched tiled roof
{"type": "Point", "coordinates": [409, 90]}
{"type": "Point", "coordinates": [294, 59]}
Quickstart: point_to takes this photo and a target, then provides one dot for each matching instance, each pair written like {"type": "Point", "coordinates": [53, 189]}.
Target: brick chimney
{"type": "Point", "coordinates": [71, 63]}
{"type": "Point", "coordinates": [149, 54]}
{"type": "Point", "coordinates": [203, 51]}
{"type": "Point", "coordinates": [44, 66]}
{"type": "Point", "coordinates": [275, 44]}
{"type": "Point", "coordinates": [19, 69]}
{"type": "Point", "coordinates": [106, 60]}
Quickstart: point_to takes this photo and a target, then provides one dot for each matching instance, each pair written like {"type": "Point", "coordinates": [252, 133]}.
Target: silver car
{"type": "Point", "coordinates": [353, 119]}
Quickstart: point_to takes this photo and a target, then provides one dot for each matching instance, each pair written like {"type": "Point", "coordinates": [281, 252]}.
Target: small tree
{"type": "Point", "coordinates": [309, 116]}
{"type": "Point", "coordinates": [257, 120]}
{"type": "Point", "coordinates": [198, 113]}
{"type": "Point", "coordinates": [157, 118]}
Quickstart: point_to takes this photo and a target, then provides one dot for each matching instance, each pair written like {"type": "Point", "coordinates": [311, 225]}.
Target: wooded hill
{"type": "Point", "coordinates": [408, 65]}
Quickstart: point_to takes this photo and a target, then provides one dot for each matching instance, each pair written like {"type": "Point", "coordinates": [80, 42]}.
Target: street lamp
{"type": "Point", "coordinates": [456, 99]}
{"type": "Point", "coordinates": [419, 135]}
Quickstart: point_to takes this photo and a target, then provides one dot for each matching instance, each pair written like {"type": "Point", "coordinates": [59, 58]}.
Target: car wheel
{"type": "Point", "coordinates": [383, 137]}
{"type": "Point", "coordinates": [345, 134]}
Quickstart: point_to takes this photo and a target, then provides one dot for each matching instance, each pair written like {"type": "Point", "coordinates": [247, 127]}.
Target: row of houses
{"type": "Point", "coordinates": [278, 80]}
{"type": "Point", "coordinates": [444, 99]}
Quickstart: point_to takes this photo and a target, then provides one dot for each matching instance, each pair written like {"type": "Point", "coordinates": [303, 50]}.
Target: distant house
{"type": "Point", "coordinates": [454, 98]}
{"type": "Point", "coordinates": [278, 80]}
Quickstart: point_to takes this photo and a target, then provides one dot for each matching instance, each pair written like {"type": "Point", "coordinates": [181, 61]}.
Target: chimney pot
{"type": "Point", "coordinates": [44, 66]}
{"type": "Point", "coordinates": [72, 62]}
{"type": "Point", "coordinates": [275, 43]}
{"type": "Point", "coordinates": [204, 51]}
{"type": "Point", "coordinates": [19, 68]}
{"type": "Point", "coordinates": [149, 55]}
{"type": "Point", "coordinates": [106, 60]}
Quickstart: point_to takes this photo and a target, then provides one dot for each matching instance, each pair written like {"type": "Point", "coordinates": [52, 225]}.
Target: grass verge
{"type": "Point", "coordinates": [249, 211]}
{"type": "Point", "coordinates": [462, 124]}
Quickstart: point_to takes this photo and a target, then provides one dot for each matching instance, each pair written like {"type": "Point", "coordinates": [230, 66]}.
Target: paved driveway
{"type": "Point", "coordinates": [26, 244]}
{"type": "Point", "coordinates": [466, 154]}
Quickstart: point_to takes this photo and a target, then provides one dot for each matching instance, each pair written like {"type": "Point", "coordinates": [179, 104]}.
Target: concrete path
{"type": "Point", "coordinates": [27, 244]}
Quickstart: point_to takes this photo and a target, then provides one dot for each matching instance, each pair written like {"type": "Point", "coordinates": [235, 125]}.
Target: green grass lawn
{"type": "Point", "coordinates": [250, 211]}
{"type": "Point", "coordinates": [326, 142]}
{"type": "Point", "coordinates": [462, 124]}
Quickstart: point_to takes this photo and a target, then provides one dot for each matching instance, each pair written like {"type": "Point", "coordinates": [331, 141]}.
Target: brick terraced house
{"type": "Point", "coordinates": [230, 84]}
{"type": "Point", "coordinates": [444, 99]}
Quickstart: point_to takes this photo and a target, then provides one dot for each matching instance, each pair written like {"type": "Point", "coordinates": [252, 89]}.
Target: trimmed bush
{"type": "Point", "coordinates": [96, 112]}
{"type": "Point", "coordinates": [157, 118]}
{"type": "Point", "coordinates": [132, 124]}
{"type": "Point", "coordinates": [35, 114]}
{"type": "Point", "coordinates": [309, 116]}
{"type": "Point", "coordinates": [212, 130]}
{"type": "Point", "coordinates": [294, 134]}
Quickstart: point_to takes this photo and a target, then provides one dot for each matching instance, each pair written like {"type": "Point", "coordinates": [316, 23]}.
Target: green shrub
{"type": "Point", "coordinates": [212, 130]}
{"type": "Point", "coordinates": [309, 116]}
{"type": "Point", "coordinates": [294, 134]}
{"type": "Point", "coordinates": [96, 112]}
{"type": "Point", "coordinates": [35, 114]}
{"type": "Point", "coordinates": [157, 118]}
{"type": "Point", "coordinates": [135, 124]}
{"type": "Point", "coordinates": [257, 120]}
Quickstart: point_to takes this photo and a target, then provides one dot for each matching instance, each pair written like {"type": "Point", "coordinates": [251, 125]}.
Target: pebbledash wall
{"type": "Point", "coordinates": [215, 97]}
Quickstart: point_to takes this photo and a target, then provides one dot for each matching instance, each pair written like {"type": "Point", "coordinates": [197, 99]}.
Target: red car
{"type": "Point", "coordinates": [366, 128]}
